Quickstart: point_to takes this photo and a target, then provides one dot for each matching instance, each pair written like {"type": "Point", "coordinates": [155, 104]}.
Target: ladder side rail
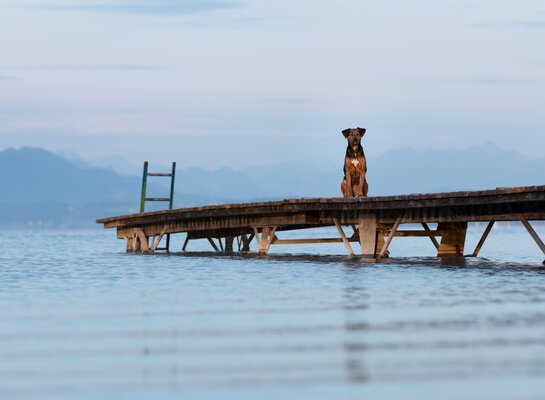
{"type": "Point", "coordinates": [144, 184]}
{"type": "Point", "coordinates": [171, 203]}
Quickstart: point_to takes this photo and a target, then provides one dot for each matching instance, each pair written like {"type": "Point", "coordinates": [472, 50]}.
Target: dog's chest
{"type": "Point", "coordinates": [355, 164]}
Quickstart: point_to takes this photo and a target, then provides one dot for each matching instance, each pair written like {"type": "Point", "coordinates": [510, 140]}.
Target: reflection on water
{"type": "Point", "coordinates": [82, 320]}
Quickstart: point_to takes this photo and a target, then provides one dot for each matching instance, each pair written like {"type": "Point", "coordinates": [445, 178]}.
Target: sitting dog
{"type": "Point", "coordinates": [354, 183]}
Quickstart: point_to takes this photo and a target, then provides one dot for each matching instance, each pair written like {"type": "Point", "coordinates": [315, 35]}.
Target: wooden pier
{"type": "Point", "coordinates": [371, 222]}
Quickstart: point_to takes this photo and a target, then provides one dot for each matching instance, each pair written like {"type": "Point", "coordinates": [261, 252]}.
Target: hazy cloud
{"type": "Point", "coordinates": [121, 67]}
{"type": "Point", "coordinates": [483, 25]}
{"type": "Point", "coordinates": [529, 24]}
{"type": "Point", "coordinates": [535, 24]}
{"type": "Point", "coordinates": [498, 81]}
{"type": "Point", "coordinates": [288, 100]}
{"type": "Point", "coordinates": [105, 67]}
{"type": "Point", "coordinates": [8, 78]}
{"type": "Point", "coordinates": [156, 7]}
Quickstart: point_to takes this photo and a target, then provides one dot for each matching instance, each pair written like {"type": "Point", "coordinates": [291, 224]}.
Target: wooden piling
{"type": "Point", "coordinates": [367, 229]}
{"type": "Point", "coordinates": [453, 239]}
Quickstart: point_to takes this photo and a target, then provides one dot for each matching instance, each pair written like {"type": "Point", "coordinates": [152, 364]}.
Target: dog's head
{"type": "Point", "coordinates": [353, 136]}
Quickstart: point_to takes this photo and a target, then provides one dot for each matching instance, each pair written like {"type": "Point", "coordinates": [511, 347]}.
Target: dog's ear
{"type": "Point", "coordinates": [361, 131]}
{"type": "Point", "coordinates": [346, 132]}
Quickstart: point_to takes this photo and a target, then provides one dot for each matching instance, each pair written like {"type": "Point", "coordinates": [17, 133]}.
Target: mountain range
{"type": "Point", "coordinates": [41, 189]}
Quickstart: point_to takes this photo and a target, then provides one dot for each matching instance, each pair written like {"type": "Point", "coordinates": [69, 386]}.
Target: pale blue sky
{"type": "Point", "coordinates": [238, 82]}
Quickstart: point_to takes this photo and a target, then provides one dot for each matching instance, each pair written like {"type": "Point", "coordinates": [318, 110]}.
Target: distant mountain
{"type": "Point", "coordinates": [479, 167]}
{"type": "Point", "coordinates": [36, 175]}
{"type": "Point", "coordinates": [120, 165]}
{"type": "Point", "coordinates": [399, 171]}
{"type": "Point", "coordinates": [42, 189]}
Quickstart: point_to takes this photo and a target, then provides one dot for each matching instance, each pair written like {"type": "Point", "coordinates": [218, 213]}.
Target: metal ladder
{"type": "Point", "coordinates": [170, 199]}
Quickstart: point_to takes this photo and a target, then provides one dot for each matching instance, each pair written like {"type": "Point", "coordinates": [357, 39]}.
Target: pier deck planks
{"type": "Point", "coordinates": [234, 220]}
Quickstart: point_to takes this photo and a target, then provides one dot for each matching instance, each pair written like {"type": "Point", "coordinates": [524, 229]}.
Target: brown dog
{"type": "Point", "coordinates": [354, 183]}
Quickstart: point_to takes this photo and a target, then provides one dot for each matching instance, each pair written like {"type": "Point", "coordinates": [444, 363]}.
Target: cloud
{"type": "Point", "coordinates": [98, 67]}
{"type": "Point", "coordinates": [8, 78]}
{"type": "Point", "coordinates": [287, 100]}
{"type": "Point", "coordinates": [155, 7]}
{"type": "Point", "coordinates": [121, 67]}
{"type": "Point", "coordinates": [528, 24]}
{"type": "Point", "coordinates": [500, 81]}
{"type": "Point", "coordinates": [482, 25]}
{"type": "Point", "coordinates": [535, 24]}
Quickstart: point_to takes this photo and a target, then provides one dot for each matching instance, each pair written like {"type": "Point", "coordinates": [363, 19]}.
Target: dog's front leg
{"type": "Point", "coordinates": [350, 189]}
{"type": "Point", "coordinates": [361, 184]}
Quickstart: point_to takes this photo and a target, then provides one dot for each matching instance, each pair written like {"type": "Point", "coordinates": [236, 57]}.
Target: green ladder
{"type": "Point", "coordinates": [170, 199]}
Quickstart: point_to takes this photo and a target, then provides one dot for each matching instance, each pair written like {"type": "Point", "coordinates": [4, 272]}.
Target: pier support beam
{"type": "Point", "coordinates": [384, 250]}
{"type": "Point", "coordinates": [532, 232]}
{"type": "Point", "coordinates": [213, 244]}
{"type": "Point", "coordinates": [453, 239]}
{"type": "Point", "coordinates": [380, 244]}
{"type": "Point", "coordinates": [157, 239]}
{"type": "Point", "coordinates": [430, 234]}
{"type": "Point", "coordinates": [483, 239]}
{"type": "Point", "coordinates": [343, 237]}
{"type": "Point", "coordinates": [186, 241]}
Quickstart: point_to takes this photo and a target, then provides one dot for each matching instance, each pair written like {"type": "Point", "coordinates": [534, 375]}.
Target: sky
{"type": "Point", "coordinates": [214, 83]}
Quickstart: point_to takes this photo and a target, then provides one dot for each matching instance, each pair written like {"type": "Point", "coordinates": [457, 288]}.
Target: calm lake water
{"type": "Point", "coordinates": [82, 320]}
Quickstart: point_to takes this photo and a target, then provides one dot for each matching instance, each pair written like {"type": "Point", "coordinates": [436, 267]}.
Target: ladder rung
{"type": "Point", "coordinates": [156, 174]}
{"type": "Point", "coordinates": [156, 199]}
{"type": "Point", "coordinates": [161, 248]}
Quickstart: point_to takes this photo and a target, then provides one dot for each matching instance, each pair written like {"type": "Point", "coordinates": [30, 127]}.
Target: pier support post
{"type": "Point", "coordinates": [129, 241]}
{"type": "Point", "coordinates": [245, 242]}
{"type": "Point", "coordinates": [453, 237]}
{"type": "Point", "coordinates": [229, 244]}
{"type": "Point", "coordinates": [367, 228]}
{"type": "Point", "coordinates": [137, 241]}
{"type": "Point", "coordinates": [264, 242]}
